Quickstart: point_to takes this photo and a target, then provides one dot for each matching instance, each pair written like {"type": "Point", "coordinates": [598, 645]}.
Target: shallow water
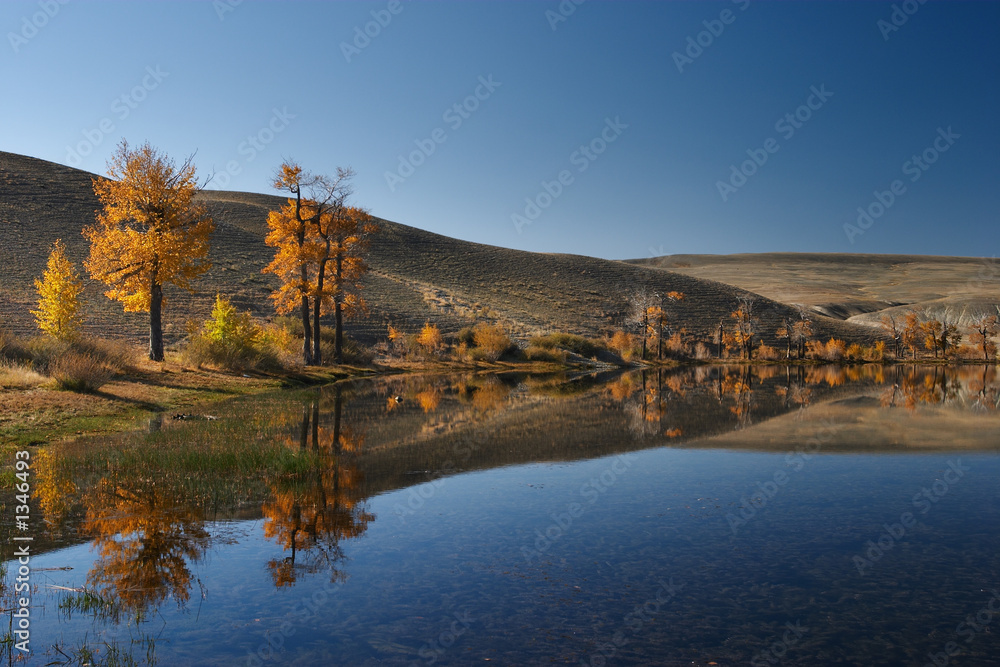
{"type": "Point", "coordinates": [699, 516]}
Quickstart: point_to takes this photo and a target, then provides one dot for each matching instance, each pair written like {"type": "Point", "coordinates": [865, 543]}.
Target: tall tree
{"type": "Point", "coordinates": [640, 302]}
{"type": "Point", "coordinates": [149, 234]}
{"type": "Point", "coordinates": [296, 231]}
{"type": "Point", "coordinates": [343, 238]}
{"type": "Point", "coordinates": [745, 325]}
{"type": "Point", "coordinates": [984, 328]}
{"type": "Point", "coordinates": [893, 328]}
{"type": "Point", "coordinates": [59, 296]}
{"type": "Point", "coordinates": [912, 333]}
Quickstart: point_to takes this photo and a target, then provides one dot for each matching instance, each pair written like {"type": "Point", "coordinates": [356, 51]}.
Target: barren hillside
{"type": "Point", "coordinates": [416, 275]}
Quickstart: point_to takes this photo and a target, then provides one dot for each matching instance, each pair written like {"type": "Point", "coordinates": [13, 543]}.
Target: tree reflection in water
{"type": "Point", "coordinates": [149, 502]}
{"type": "Point", "coordinates": [312, 511]}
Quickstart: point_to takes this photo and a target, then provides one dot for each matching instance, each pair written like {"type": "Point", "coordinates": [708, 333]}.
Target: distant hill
{"type": "Point", "coordinates": [416, 276]}
{"type": "Point", "coordinates": [852, 287]}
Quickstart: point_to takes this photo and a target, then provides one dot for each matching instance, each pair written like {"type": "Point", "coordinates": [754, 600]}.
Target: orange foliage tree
{"type": "Point", "coordinates": [149, 234]}
{"type": "Point", "coordinates": [343, 237]}
{"type": "Point", "coordinates": [745, 325]}
{"type": "Point", "coordinates": [312, 230]}
{"type": "Point", "coordinates": [984, 328]}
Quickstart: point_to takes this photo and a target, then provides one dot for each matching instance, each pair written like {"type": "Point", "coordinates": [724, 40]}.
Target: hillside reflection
{"type": "Point", "coordinates": [152, 503]}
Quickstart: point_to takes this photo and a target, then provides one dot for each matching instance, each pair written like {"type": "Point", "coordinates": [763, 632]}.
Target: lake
{"type": "Point", "coordinates": [693, 516]}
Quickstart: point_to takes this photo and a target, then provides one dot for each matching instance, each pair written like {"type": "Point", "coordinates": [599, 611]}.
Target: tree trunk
{"type": "Point", "coordinates": [338, 336]}
{"type": "Point", "coordinates": [659, 341]}
{"type": "Point", "coordinates": [317, 304]}
{"type": "Point", "coordinates": [155, 321]}
{"type": "Point", "coordinates": [306, 333]}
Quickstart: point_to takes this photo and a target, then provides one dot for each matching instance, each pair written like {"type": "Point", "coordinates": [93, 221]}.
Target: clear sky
{"type": "Point", "coordinates": [610, 129]}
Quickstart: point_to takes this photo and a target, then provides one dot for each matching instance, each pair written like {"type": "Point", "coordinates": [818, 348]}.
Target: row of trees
{"type": "Point", "coordinates": [151, 232]}
{"type": "Point", "coordinates": [651, 315]}
{"type": "Point", "coordinates": [940, 336]}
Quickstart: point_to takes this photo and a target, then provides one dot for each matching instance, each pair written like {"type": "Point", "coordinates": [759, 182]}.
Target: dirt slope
{"type": "Point", "coordinates": [416, 275]}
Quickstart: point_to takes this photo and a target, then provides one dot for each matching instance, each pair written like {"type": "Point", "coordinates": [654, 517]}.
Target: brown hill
{"type": "Point", "coordinates": [416, 275]}
{"type": "Point", "coordinates": [856, 288]}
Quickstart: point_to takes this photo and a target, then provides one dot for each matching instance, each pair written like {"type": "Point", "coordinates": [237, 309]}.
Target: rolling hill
{"type": "Point", "coordinates": [415, 275]}
{"type": "Point", "coordinates": [852, 287]}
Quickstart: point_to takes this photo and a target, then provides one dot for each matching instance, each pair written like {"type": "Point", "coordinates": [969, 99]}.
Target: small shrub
{"type": "Point", "coordinates": [675, 346]}
{"type": "Point", "coordinates": [571, 342]}
{"type": "Point", "coordinates": [13, 348]}
{"type": "Point", "coordinates": [552, 355]}
{"type": "Point", "coordinates": [233, 340]}
{"type": "Point", "coordinates": [466, 335]}
{"type": "Point", "coordinates": [81, 372]}
{"type": "Point", "coordinates": [832, 350]}
{"type": "Point", "coordinates": [701, 352]}
{"type": "Point", "coordinates": [624, 344]}
{"type": "Point", "coordinates": [429, 339]}
{"type": "Point", "coordinates": [768, 353]}
{"type": "Point", "coordinates": [491, 341]}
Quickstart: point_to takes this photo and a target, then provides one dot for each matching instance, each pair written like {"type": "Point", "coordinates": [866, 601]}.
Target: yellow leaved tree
{"type": "Point", "coordinates": [59, 296]}
{"type": "Point", "coordinates": [150, 233]}
{"type": "Point", "coordinates": [319, 243]}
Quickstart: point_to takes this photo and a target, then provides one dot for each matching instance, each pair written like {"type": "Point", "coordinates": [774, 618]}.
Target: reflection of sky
{"type": "Point", "coordinates": [661, 516]}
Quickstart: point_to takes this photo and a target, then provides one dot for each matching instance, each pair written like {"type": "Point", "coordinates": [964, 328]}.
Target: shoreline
{"type": "Point", "coordinates": [42, 415]}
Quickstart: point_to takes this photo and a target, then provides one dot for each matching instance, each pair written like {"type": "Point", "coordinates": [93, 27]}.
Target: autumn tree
{"type": "Point", "coordinates": [894, 329]}
{"type": "Point", "coordinates": [950, 337]}
{"type": "Point", "coordinates": [343, 237]}
{"type": "Point", "coordinates": [59, 296]}
{"type": "Point", "coordinates": [912, 333]}
{"type": "Point", "coordinates": [984, 328]}
{"type": "Point", "coordinates": [745, 324]}
{"type": "Point", "coordinates": [658, 318]}
{"type": "Point", "coordinates": [640, 303]}
{"type": "Point", "coordinates": [312, 229]}
{"type": "Point", "coordinates": [149, 233]}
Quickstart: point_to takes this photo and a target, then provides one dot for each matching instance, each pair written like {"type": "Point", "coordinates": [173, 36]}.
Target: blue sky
{"type": "Point", "coordinates": [606, 128]}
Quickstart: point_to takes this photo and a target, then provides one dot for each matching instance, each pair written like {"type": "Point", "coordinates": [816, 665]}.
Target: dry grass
{"type": "Point", "coordinates": [83, 372]}
{"type": "Point", "coordinates": [15, 375]}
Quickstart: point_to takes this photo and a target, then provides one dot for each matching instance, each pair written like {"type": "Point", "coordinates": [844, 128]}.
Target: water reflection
{"type": "Point", "coordinates": [310, 464]}
{"type": "Point", "coordinates": [312, 510]}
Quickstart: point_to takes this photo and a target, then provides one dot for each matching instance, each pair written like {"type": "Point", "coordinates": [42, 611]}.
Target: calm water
{"type": "Point", "coordinates": [702, 516]}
